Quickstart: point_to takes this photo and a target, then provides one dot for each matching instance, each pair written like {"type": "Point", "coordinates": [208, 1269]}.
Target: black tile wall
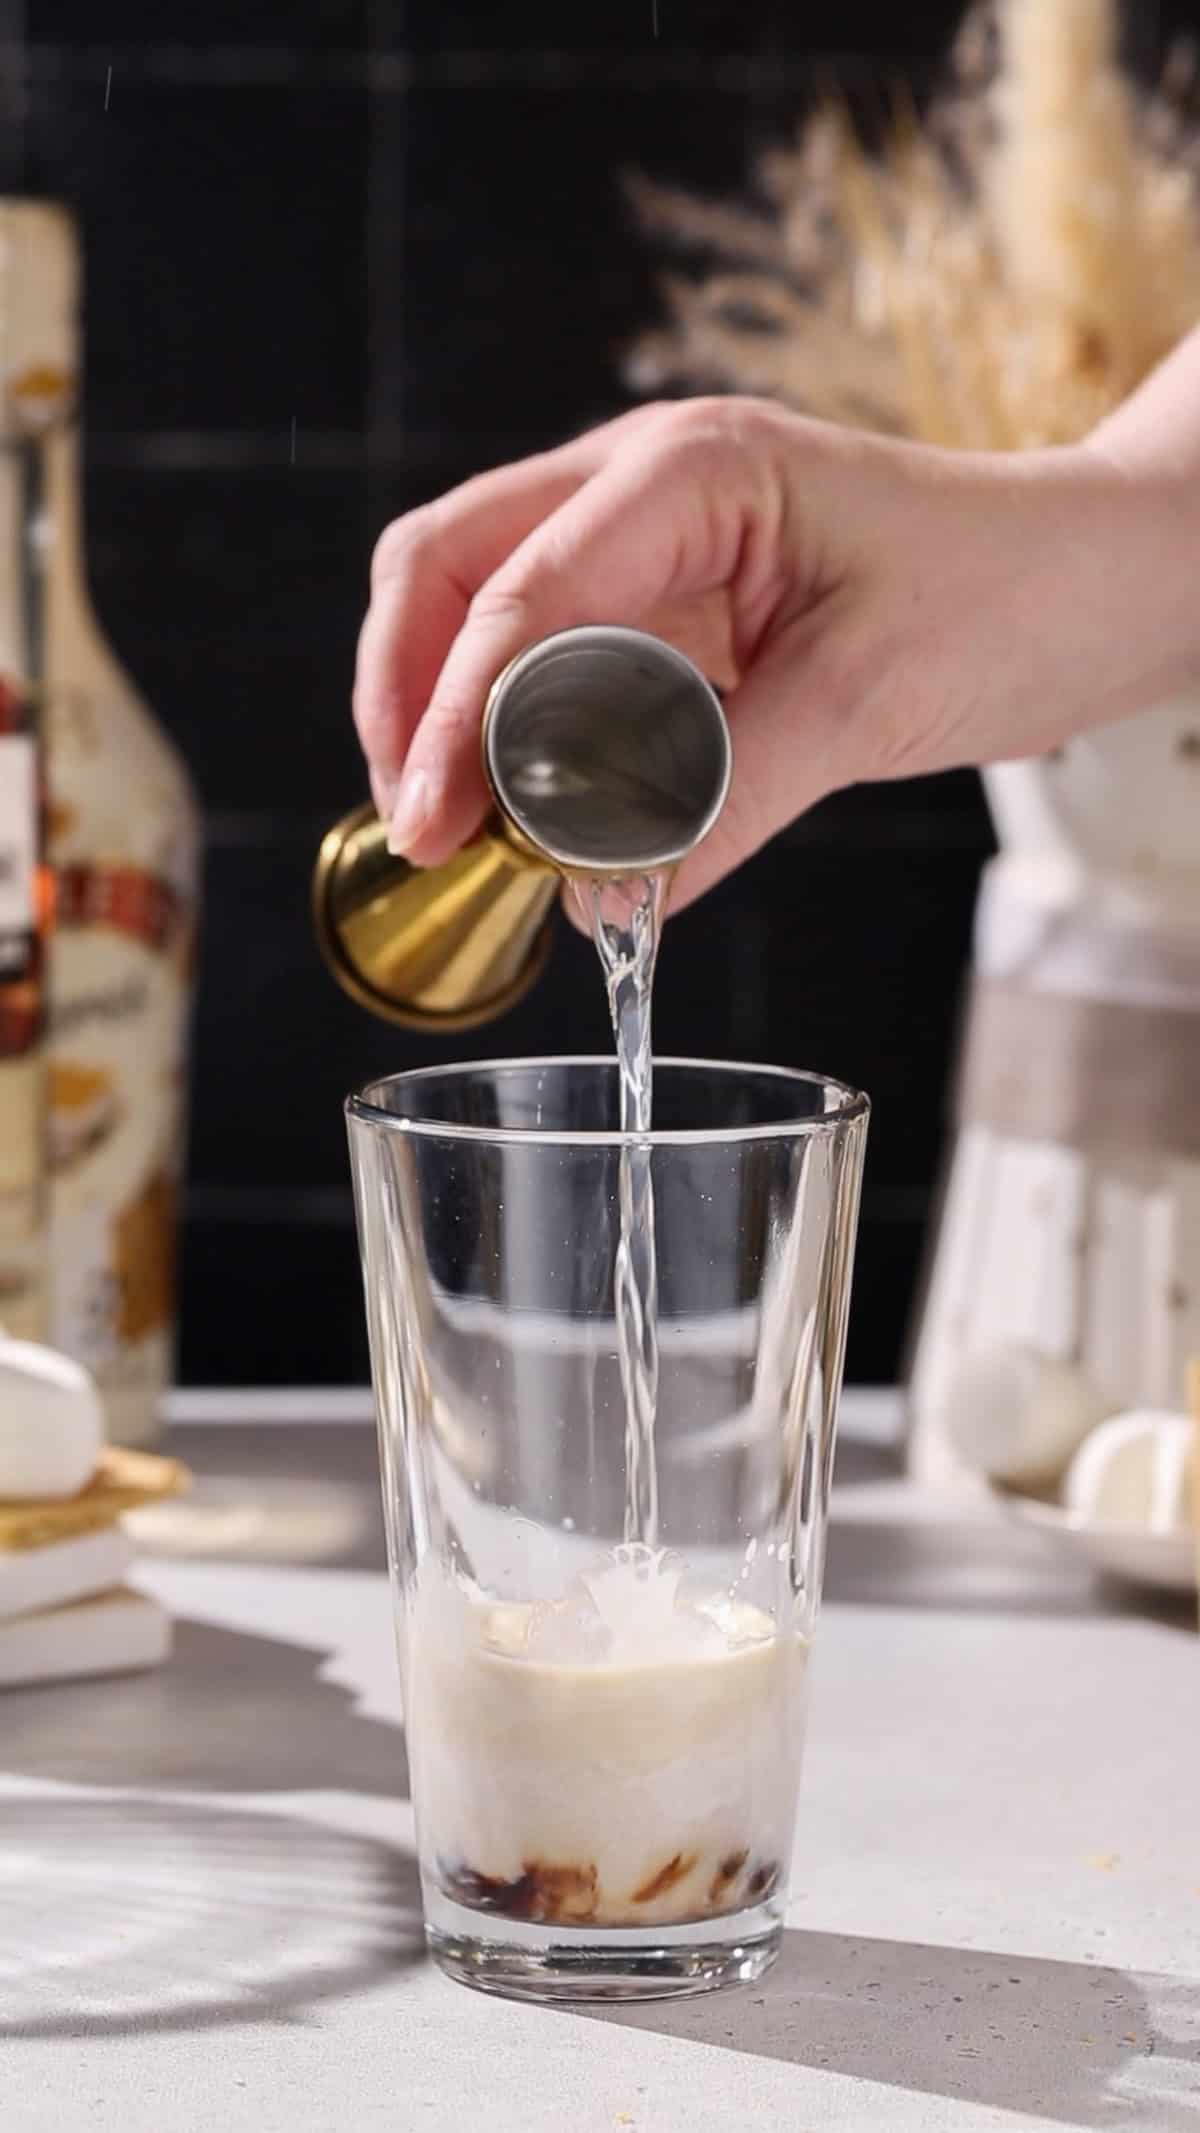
{"type": "Point", "coordinates": [866, 941]}
{"type": "Point", "coordinates": [297, 26]}
{"type": "Point", "coordinates": [224, 231]}
{"type": "Point", "coordinates": [491, 242]}
{"type": "Point", "coordinates": [282, 1298]}
{"type": "Point", "coordinates": [234, 592]}
{"type": "Point", "coordinates": [623, 28]}
{"type": "Point", "coordinates": [342, 254]}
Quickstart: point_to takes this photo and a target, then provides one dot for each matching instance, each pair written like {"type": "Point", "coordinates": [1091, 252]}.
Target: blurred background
{"type": "Point", "coordinates": [341, 254]}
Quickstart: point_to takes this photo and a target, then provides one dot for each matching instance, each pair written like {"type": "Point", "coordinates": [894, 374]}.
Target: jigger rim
{"type": "Point", "coordinates": [846, 1106]}
{"type": "Point", "coordinates": [598, 637]}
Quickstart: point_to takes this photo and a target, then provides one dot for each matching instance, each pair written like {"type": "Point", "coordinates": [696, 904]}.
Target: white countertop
{"type": "Point", "coordinates": [210, 1910]}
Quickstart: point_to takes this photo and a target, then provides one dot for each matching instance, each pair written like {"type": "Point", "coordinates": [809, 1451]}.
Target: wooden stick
{"type": "Point", "coordinates": [1193, 1396]}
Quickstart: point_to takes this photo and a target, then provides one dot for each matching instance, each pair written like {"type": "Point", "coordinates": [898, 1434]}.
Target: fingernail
{"type": "Point", "coordinates": [412, 810]}
{"type": "Point", "coordinates": [385, 786]}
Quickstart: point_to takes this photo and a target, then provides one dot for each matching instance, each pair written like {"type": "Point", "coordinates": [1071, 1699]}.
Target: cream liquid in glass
{"type": "Point", "coordinates": [625, 1756]}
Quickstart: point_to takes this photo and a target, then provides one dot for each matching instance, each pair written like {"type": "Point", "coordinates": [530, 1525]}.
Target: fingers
{"type": "Point", "coordinates": [427, 568]}
{"type": "Point", "coordinates": [663, 519]}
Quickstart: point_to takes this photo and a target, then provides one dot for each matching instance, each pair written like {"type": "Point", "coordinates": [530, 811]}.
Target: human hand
{"type": "Point", "coordinates": [873, 610]}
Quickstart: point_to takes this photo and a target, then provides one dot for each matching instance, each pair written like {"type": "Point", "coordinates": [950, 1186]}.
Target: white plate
{"type": "Point", "coordinates": [1166, 1561]}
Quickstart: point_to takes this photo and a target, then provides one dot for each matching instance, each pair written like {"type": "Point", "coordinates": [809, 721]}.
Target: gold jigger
{"type": "Point", "coordinates": [445, 949]}
{"type": "Point", "coordinates": [607, 754]}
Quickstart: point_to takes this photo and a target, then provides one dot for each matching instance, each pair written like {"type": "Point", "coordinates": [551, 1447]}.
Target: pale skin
{"type": "Point", "coordinates": [874, 610]}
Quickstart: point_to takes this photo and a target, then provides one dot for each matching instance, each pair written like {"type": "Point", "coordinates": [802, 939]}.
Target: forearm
{"type": "Point", "coordinates": [1151, 446]}
{"type": "Point", "coordinates": [1157, 431]}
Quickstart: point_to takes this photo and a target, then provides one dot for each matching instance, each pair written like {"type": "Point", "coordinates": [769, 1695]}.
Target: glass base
{"type": "Point", "coordinates": [659, 1963]}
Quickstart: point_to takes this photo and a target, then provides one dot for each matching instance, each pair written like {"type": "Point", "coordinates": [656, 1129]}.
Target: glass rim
{"type": "Point", "coordinates": [852, 1105]}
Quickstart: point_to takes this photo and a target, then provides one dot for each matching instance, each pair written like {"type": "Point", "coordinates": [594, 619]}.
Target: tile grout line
{"type": "Point", "coordinates": [391, 73]}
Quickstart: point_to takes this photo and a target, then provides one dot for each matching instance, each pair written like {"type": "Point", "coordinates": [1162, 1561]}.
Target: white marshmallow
{"type": "Point", "coordinates": [1017, 1416]}
{"type": "Point", "coordinates": [1135, 1470]}
{"type": "Point", "coordinates": [51, 1423]}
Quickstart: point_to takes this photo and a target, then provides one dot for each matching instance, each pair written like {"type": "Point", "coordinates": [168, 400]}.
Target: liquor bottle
{"type": "Point", "coordinates": [23, 914]}
{"type": "Point", "coordinates": [122, 839]}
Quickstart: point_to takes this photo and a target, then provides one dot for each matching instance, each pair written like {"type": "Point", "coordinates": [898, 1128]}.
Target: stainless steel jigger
{"type": "Point", "coordinates": [607, 753]}
{"type": "Point", "coordinates": [608, 750]}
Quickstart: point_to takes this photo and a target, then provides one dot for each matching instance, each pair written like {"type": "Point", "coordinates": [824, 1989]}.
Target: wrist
{"type": "Point", "coordinates": [1133, 560]}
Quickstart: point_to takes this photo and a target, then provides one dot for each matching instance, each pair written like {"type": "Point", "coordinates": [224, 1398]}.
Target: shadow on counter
{"type": "Point", "coordinates": [1016, 2033]}
{"type": "Point", "coordinates": [133, 1915]}
{"type": "Point", "coordinates": [232, 1712]}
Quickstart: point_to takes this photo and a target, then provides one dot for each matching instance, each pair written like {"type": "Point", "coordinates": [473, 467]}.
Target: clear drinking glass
{"type": "Point", "coordinates": [604, 1686]}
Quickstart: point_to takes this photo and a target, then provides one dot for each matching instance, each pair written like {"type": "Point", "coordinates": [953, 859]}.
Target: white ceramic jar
{"type": "Point", "coordinates": [1070, 1226]}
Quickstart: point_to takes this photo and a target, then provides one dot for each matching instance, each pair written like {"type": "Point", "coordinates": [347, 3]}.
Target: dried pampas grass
{"type": "Point", "coordinates": [1000, 274]}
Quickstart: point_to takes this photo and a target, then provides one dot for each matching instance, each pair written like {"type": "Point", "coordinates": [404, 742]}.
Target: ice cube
{"type": "Point", "coordinates": [632, 1608]}
{"type": "Point", "coordinates": [737, 1622]}
{"type": "Point", "coordinates": [567, 1632]}
{"type": "Point", "coordinates": [638, 1592]}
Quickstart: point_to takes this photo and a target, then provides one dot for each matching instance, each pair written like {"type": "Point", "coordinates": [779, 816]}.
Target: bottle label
{"type": "Point", "coordinates": [124, 846]}
{"type": "Point", "coordinates": [22, 1088]}
{"type": "Point", "coordinates": [127, 899]}
{"type": "Point", "coordinates": [117, 1035]}
{"type": "Point", "coordinates": [18, 848]}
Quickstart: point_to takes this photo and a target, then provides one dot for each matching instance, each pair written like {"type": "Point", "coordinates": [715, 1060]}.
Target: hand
{"type": "Point", "coordinates": [874, 610]}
